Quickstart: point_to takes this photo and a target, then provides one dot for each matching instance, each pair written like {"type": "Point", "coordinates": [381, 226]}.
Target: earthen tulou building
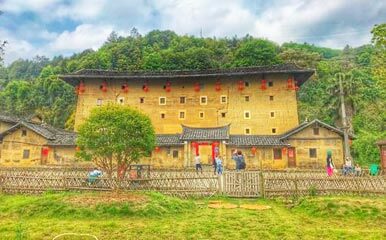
{"type": "Point", "coordinates": [214, 112]}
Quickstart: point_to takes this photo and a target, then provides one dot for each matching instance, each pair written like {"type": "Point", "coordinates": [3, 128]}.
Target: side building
{"type": "Point", "coordinates": [28, 143]}
{"type": "Point", "coordinates": [215, 112]}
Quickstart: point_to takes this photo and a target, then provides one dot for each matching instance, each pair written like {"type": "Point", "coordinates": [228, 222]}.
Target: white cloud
{"type": "Point", "coordinates": [83, 37]}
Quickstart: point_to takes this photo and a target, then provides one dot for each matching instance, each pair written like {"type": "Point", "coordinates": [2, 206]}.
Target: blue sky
{"type": "Point", "coordinates": [53, 27]}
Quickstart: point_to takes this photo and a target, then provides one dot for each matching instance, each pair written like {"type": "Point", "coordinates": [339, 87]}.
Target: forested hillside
{"type": "Point", "coordinates": [32, 86]}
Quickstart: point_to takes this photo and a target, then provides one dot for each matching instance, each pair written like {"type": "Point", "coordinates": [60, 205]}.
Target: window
{"type": "Point", "coordinates": [201, 115]}
{"type": "Point", "coordinates": [99, 102]}
{"type": "Point", "coordinates": [142, 100]}
{"type": "Point", "coordinates": [181, 115]}
{"type": "Point", "coordinates": [203, 100]}
{"type": "Point", "coordinates": [175, 153]}
{"type": "Point", "coordinates": [277, 154]}
{"type": "Point", "coordinates": [182, 100]}
{"type": "Point", "coordinates": [273, 130]}
{"type": "Point", "coordinates": [247, 131]}
{"type": "Point", "coordinates": [162, 100]}
{"type": "Point", "coordinates": [223, 114]}
{"type": "Point", "coordinates": [23, 133]}
{"type": "Point", "coordinates": [247, 115]}
{"type": "Point", "coordinates": [246, 98]}
{"type": "Point", "coordinates": [25, 153]}
{"type": "Point", "coordinates": [313, 153]}
{"type": "Point", "coordinates": [272, 114]}
{"type": "Point", "coordinates": [246, 84]}
{"type": "Point", "coordinates": [316, 131]}
{"type": "Point", "coordinates": [121, 100]}
{"type": "Point", "coordinates": [162, 115]}
{"type": "Point", "coordinates": [270, 84]}
{"type": "Point", "coordinates": [223, 99]}
{"type": "Point", "coordinates": [270, 98]}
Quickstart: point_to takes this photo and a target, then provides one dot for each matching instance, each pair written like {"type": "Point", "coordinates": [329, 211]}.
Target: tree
{"type": "Point", "coordinates": [256, 52]}
{"type": "Point", "coordinates": [115, 136]}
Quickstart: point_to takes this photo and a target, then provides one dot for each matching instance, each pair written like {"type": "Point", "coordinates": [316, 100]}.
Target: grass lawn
{"type": "Point", "coordinates": [155, 216]}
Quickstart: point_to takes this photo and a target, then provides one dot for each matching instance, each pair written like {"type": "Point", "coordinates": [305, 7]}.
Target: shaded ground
{"type": "Point", "coordinates": [155, 216]}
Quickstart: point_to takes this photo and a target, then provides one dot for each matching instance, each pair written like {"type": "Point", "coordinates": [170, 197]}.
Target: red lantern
{"type": "Point", "coordinates": [125, 88]}
{"type": "Point", "coordinates": [263, 84]}
{"type": "Point", "coordinates": [81, 88]}
{"type": "Point", "coordinates": [168, 86]}
{"type": "Point", "coordinates": [253, 150]}
{"type": "Point", "coordinates": [45, 151]}
{"type": "Point", "coordinates": [145, 87]}
{"type": "Point", "coordinates": [296, 86]}
{"type": "Point", "coordinates": [241, 85]}
{"type": "Point", "coordinates": [103, 87]}
{"type": "Point", "coordinates": [290, 83]}
{"type": "Point", "coordinates": [157, 149]}
{"type": "Point", "coordinates": [218, 86]}
{"type": "Point", "coordinates": [197, 87]}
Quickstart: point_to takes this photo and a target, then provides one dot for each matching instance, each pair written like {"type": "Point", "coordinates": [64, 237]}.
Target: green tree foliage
{"type": "Point", "coordinates": [115, 136]}
{"type": "Point", "coordinates": [256, 52]}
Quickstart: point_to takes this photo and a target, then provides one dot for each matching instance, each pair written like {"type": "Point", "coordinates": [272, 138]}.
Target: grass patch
{"type": "Point", "coordinates": [156, 216]}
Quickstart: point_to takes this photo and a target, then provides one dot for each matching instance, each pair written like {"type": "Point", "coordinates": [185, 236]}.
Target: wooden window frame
{"type": "Point", "coordinates": [271, 98]}
{"type": "Point", "coordinates": [247, 98]}
{"type": "Point", "coordinates": [249, 114]}
{"type": "Point", "coordinates": [313, 153]}
{"type": "Point", "coordinates": [26, 153]}
{"type": "Point", "coordinates": [277, 154]}
{"type": "Point", "coordinates": [270, 83]}
{"type": "Point", "coordinates": [247, 131]}
{"type": "Point", "coordinates": [272, 114]}
{"type": "Point", "coordinates": [163, 115]}
{"type": "Point", "coordinates": [203, 114]}
{"type": "Point", "coordinates": [179, 114]}
{"type": "Point", "coordinates": [316, 131]}
{"type": "Point", "coordinates": [159, 101]}
{"type": "Point", "coordinates": [206, 100]}
{"type": "Point", "coordinates": [274, 130]}
{"type": "Point", "coordinates": [221, 99]}
{"type": "Point", "coordinates": [142, 100]}
{"type": "Point", "coordinates": [24, 132]}
{"type": "Point", "coordinates": [223, 115]}
{"type": "Point", "coordinates": [184, 101]}
{"type": "Point", "coordinates": [175, 153]}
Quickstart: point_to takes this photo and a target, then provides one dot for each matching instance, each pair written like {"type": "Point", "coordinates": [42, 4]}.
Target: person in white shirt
{"type": "Point", "coordinates": [197, 160]}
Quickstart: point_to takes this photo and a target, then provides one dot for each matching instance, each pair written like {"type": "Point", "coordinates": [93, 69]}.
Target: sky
{"type": "Point", "coordinates": [64, 27]}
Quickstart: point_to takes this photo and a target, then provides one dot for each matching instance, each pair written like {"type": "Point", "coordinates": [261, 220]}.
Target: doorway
{"type": "Point", "coordinates": [291, 157]}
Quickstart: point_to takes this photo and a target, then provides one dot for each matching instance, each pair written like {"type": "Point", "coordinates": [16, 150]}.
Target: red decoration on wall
{"type": "Point", "coordinates": [290, 85]}
{"type": "Point", "coordinates": [197, 87]}
{"type": "Point", "coordinates": [263, 84]}
{"type": "Point", "coordinates": [241, 85]}
{"type": "Point", "coordinates": [168, 86]}
{"type": "Point", "coordinates": [157, 149]}
{"type": "Point", "coordinates": [145, 87]}
{"type": "Point", "coordinates": [103, 87]}
{"type": "Point", "coordinates": [253, 150]}
{"type": "Point", "coordinates": [45, 151]}
{"type": "Point", "coordinates": [125, 88]}
{"type": "Point", "coordinates": [218, 86]}
{"type": "Point", "coordinates": [296, 86]}
{"type": "Point", "coordinates": [284, 151]}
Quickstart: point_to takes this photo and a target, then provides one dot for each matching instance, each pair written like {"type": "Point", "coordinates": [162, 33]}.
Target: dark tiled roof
{"type": "Point", "coordinates": [8, 119]}
{"type": "Point", "coordinates": [301, 75]}
{"type": "Point", "coordinates": [54, 136]}
{"type": "Point", "coordinates": [312, 123]}
{"type": "Point", "coordinates": [255, 140]}
{"type": "Point", "coordinates": [168, 140]}
{"type": "Point", "coordinates": [216, 133]}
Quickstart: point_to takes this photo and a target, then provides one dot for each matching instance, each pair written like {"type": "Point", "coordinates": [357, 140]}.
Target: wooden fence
{"type": "Point", "coordinates": [189, 183]}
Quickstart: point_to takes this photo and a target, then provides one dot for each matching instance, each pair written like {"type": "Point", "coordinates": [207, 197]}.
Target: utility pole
{"type": "Point", "coordinates": [344, 118]}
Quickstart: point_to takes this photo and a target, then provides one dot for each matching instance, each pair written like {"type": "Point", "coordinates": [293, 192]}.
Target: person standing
{"type": "Point", "coordinates": [197, 160]}
{"type": "Point", "coordinates": [219, 165]}
{"type": "Point", "coordinates": [330, 165]}
{"type": "Point", "coordinates": [236, 158]}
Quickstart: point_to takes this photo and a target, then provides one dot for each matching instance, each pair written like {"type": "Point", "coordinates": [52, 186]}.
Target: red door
{"type": "Point", "coordinates": [291, 157]}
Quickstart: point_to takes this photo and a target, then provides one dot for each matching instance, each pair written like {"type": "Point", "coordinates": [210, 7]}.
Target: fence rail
{"type": "Point", "coordinates": [189, 183]}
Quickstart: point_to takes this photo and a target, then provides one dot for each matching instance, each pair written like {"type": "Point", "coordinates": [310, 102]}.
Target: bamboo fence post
{"type": "Point", "coordinates": [262, 185]}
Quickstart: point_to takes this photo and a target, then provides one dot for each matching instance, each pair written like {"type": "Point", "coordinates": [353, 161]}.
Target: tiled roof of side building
{"type": "Point", "coordinates": [215, 133]}
{"type": "Point", "coordinates": [301, 74]}
{"type": "Point", "coordinates": [255, 140]}
{"type": "Point", "coordinates": [168, 140]}
{"type": "Point", "coordinates": [8, 119]}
